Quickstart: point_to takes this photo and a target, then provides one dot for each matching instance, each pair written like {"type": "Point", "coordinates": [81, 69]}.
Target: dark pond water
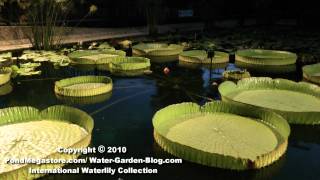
{"type": "Point", "coordinates": [125, 119]}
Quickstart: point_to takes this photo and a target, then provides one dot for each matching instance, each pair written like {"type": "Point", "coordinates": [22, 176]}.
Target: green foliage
{"type": "Point", "coordinates": [129, 66]}
{"type": "Point", "coordinates": [66, 116]}
{"type": "Point", "coordinates": [312, 73]}
{"type": "Point", "coordinates": [235, 75]}
{"type": "Point", "coordinates": [221, 134]}
{"type": "Point", "coordinates": [298, 103]}
{"type": "Point", "coordinates": [266, 57]}
{"type": "Point", "coordinates": [201, 57]}
{"type": "Point", "coordinates": [83, 86]}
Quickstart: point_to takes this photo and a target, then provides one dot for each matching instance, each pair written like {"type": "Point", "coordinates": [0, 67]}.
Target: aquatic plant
{"type": "Point", "coordinates": [5, 75]}
{"type": "Point", "coordinates": [24, 70]}
{"type": "Point", "coordinates": [312, 73]}
{"type": "Point", "coordinates": [82, 86]}
{"type": "Point", "coordinates": [26, 131]}
{"type": "Point", "coordinates": [84, 100]}
{"type": "Point", "coordinates": [129, 66]}
{"type": "Point", "coordinates": [265, 57]}
{"type": "Point", "coordinates": [298, 103]}
{"type": "Point", "coordinates": [269, 69]}
{"type": "Point", "coordinates": [201, 57]}
{"type": "Point", "coordinates": [104, 56]}
{"type": "Point", "coordinates": [235, 75]}
{"type": "Point", "coordinates": [221, 134]}
{"type": "Point", "coordinates": [157, 52]}
{"type": "Point", "coordinates": [42, 56]}
{"type": "Point", "coordinates": [5, 58]}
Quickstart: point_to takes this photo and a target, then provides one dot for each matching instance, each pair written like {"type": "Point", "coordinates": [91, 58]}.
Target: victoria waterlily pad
{"type": "Point", "coordinates": [235, 75]}
{"type": "Point", "coordinates": [5, 75]}
{"type": "Point", "coordinates": [85, 100]}
{"type": "Point", "coordinates": [158, 52]}
{"type": "Point", "coordinates": [312, 73]}
{"type": "Point", "coordinates": [221, 134]}
{"type": "Point", "coordinates": [83, 86]}
{"type": "Point", "coordinates": [201, 57]}
{"type": "Point", "coordinates": [299, 103]}
{"type": "Point", "coordinates": [25, 70]}
{"type": "Point", "coordinates": [95, 56]}
{"type": "Point", "coordinates": [26, 132]}
{"type": "Point", "coordinates": [266, 57]}
{"type": "Point", "coordinates": [129, 66]}
{"type": "Point", "coordinates": [258, 68]}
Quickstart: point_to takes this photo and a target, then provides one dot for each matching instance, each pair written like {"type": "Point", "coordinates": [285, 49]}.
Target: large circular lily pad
{"type": "Point", "coordinates": [312, 73]}
{"type": "Point", "coordinates": [26, 132]}
{"type": "Point", "coordinates": [82, 86]}
{"type": "Point", "coordinates": [299, 103]}
{"type": "Point", "coordinates": [221, 134]}
{"type": "Point", "coordinates": [266, 57]}
{"type": "Point", "coordinates": [235, 75]}
{"type": "Point", "coordinates": [201, 57]}
{"type": "Point", "coordinates": [5, 75]}
{"type": "Point", "coordinates": [158, 52]}
{"type": "Point", "coordinates": [95, 56]}
{"type": "Point", "coordinates": [129, 66]}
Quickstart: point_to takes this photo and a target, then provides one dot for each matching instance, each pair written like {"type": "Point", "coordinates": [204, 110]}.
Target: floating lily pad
{"type": "Point", "coordinates": [266, 57]}
{"type": "Point", "coordinates": [158, 52]}
{"type": "Point", "coordinates": [299, 103]}
{"type": "Point", "coordinates": [5, 75]}
{"type": "Point", "coordinates": [95, 56]}
{"type": "Point", "coordinates": [26, 132]}
{"type": "Point", "coordinates": [5, 59]}
{"type": "Point", "coordinates": [129, 66]}
{"type": "Point", "coordinates": [25, 70]}
{"type": "Point", "coordinates": [221, 134]}
{"type": "Point", "coordinates": [235, 75]}
{"type": "Point", "coordinates": [312, 73]}
{"type": "Point", "coordinates": [83, 86]}
{"type": "Point", "coordinates": [270, 69]}
{"type": "Point", "coordinates": [201, 57]}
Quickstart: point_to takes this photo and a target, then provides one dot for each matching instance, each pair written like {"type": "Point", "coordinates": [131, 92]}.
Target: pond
{"type": "Point", "coordinates": [125, 119]}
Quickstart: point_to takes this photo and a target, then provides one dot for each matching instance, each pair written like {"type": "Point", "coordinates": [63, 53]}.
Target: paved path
{"type": "Point", "coordinates": [19, 41]}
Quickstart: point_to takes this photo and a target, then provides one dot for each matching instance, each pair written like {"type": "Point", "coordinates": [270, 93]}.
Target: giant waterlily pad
{"type": "Point", "coordinates": [5, 75]}
{"type": "Point", "coordinates": [312, 73]}
{"type": "Point", "coordinates": [83, 86]}
{"type": "Point", "coordinates": [299, 103]}
{"type": "Point", "coordinates": [267, 69]}
{"type": "Point", "coordinates": [221, 134]}
{"type": "Point", "coordinates": [26, 132]}
{"type": "Point", "coordinates": [84, 100]}
{"type": "Point", "coordinates": [266, 57]}
{"type": "Point", "coordinates": [158, 52]}
{"type": "Point", "coordinates": [5, 89]}
{"type": "Point", "coordinates": [95, 56]}
{"type": "Point", "coordinates": [129, 66]}
{"type": "Point", "coordinates": [201, 57]}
